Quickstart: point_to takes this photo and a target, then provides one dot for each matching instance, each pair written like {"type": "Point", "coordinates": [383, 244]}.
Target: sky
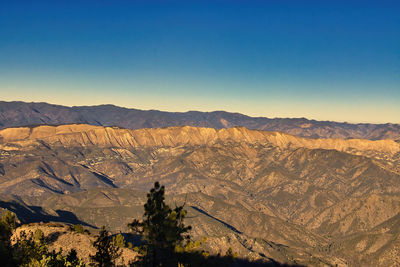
{"type": "Point", "coordinates": [324, 60]}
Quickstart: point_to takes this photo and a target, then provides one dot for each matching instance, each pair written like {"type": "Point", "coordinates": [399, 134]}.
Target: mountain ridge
{"type": "Point", "coordinates": [84, 135]}
{"type": "Point", "coordinates": [20, 113]}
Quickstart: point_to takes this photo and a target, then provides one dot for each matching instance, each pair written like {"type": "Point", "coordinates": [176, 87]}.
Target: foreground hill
{"type": "Point", "coordinates": [266, 194]}
{"type": "Point", "coordinates": [21, 114]}
{"type": "Point", "coordinates": [59, 236]}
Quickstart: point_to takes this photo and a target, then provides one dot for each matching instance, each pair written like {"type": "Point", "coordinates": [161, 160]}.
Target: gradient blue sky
{"type": "Point", "coordinates": [324, 60]}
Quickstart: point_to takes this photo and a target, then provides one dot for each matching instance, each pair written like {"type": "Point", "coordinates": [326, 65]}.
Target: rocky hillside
{"type": "Point", "coordinates": [266, 194]}
{"type": "Point", "coordinates": [21, 114]}
{"type": "Point", "coordinates": [62, 237]}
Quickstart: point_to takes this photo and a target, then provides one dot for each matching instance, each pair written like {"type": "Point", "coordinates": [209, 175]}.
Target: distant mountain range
{"type": "Point", "coordinates": [21, 114]}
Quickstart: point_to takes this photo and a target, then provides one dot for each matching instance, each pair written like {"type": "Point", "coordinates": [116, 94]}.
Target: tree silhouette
{"type": "Point", "coordinates": [162, 229]}
{"type": "Point", "coordinates": [7, 225]}
{"type": "Point", "coordinates": [107, 252]}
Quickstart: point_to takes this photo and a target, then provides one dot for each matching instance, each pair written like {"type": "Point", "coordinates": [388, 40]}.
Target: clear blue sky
{"type": "Point", "coordinates": [325, 60]}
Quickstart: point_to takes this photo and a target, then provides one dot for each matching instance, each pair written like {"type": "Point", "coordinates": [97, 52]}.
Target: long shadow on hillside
{"type": "Point", "coordinates": [218, 220]}
{"type": "Point", "coordinates": [242, 262]}
{"type": "Point", "coordinates": [229, 262]}
{"type": "Point", "coordinates": [198, 259]}
{"type": "Point", "coordinates": [29, 214]}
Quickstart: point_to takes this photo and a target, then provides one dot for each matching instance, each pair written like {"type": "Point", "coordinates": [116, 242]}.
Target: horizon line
{"type": "Point", "coordinates": [200, 111]}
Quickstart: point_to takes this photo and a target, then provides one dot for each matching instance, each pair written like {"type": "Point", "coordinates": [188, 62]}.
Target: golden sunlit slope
{"type": "Point", "coordinates": [87, 135]}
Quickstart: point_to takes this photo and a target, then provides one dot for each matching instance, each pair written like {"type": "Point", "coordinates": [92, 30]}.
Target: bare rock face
{"type": "Point", "coordinates": [266, 194]}
{"type": "Point", "coordinates": [86, 135]}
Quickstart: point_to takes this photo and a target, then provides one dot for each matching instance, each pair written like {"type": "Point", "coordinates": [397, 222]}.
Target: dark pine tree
{"type": "Point", "coordinates": [106, 253]}
{"type": "Point", "coordinates": [162, 229]}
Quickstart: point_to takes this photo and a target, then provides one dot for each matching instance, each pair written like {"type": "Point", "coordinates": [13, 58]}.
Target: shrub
{"type": "Point", "coordinates": [119, 241]}
{"type": "Point", "coordinates": [78, 228]}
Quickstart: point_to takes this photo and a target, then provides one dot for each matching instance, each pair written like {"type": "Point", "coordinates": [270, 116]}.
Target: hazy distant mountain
{"type": "Point", "coordinates": [21, 114]}
{"type": "Point", "coordinates": [266, 194]}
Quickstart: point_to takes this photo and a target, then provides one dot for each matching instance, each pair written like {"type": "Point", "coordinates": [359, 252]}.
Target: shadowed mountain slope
{"type": "Point", "coordinates": [21, 114]}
